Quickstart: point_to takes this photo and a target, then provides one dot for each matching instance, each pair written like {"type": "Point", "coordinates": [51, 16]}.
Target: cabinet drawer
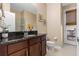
{"type": "Point", "coordinates": [16, 46]}
{"type": "Point", "coordinates": [33, 41]}
{"type": "Point", "coordinates": [19, 53]}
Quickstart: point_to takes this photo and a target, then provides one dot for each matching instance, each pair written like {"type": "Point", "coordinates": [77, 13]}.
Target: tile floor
{"type": "Point", "coordinates": [67, 50]}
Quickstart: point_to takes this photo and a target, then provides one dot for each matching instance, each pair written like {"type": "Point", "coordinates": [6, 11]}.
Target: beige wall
{"type": "Point", "coordinates": [6, 6]}
{"type": "Point", "coordinates": [54, 26]}
{"type": "Point", "coordinates": [18, 21]}
{"type": "Point", "coordinates": [41, 9]}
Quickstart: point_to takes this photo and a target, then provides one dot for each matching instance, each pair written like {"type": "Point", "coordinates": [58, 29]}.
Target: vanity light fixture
{"type": "Point", "coordinates": [41, 19]}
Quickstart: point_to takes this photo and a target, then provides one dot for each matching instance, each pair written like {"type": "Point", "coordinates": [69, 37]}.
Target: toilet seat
{"type": "Point", "coordinates": [51, 45]}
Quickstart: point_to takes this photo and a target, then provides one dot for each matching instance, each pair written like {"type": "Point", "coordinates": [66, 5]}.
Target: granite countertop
{"type": "Point", "coordinates": [21, 39]}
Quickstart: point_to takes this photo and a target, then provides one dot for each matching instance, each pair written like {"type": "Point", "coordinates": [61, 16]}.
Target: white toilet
{"type": "Point", "coordinates": [52, 45]}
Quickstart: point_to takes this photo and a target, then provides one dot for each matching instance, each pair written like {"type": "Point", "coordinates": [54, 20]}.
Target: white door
{"type": "Point", "coordinates": [69, 32]}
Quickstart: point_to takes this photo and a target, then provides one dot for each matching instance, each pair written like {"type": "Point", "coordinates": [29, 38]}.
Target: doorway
{"type": "Point", "coordinates": [69, 12]}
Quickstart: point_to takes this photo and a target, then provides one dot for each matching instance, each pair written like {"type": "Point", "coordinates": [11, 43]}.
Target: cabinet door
{"type": "Point", "coordinates": [35, 50]}
{"type": "Point", "coordinates": [43, 47]}
{"type": "Point", "coordinates": [19, 53]}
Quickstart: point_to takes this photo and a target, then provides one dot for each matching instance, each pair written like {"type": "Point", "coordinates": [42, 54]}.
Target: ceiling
{"type": "Point", "coordinates": [24, 6]}
{"type": "Point", "coordinates": [30, 6]}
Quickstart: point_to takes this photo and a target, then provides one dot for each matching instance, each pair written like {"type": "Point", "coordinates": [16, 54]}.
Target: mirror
{"type": "Point", "coordinates": [25, 16]}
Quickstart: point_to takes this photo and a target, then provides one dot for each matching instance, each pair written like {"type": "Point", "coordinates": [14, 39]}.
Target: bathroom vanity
{"type": "Point", "coordinates": [31, 45]}
{"type": "Point", "coordinates": [13, 43]}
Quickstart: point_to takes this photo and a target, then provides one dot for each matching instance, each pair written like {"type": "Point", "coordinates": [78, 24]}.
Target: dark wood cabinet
{"type": "Point", "coordinates": [19, 53]}
{"type": "Point", "coordinates": [26, 51]}
{"type": "Point", "coordinates": [3, 50]}
{"type": "Point", "coordinates": [17, 46]}
{"type": "Point", "coordinates": [23, 52]}
{"type": "Point", "coordinates": [43, 47]}
{"type": "Point", "coordinates": [35, 46]}
{"type": "Point", "coordinates": [35, 50]}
